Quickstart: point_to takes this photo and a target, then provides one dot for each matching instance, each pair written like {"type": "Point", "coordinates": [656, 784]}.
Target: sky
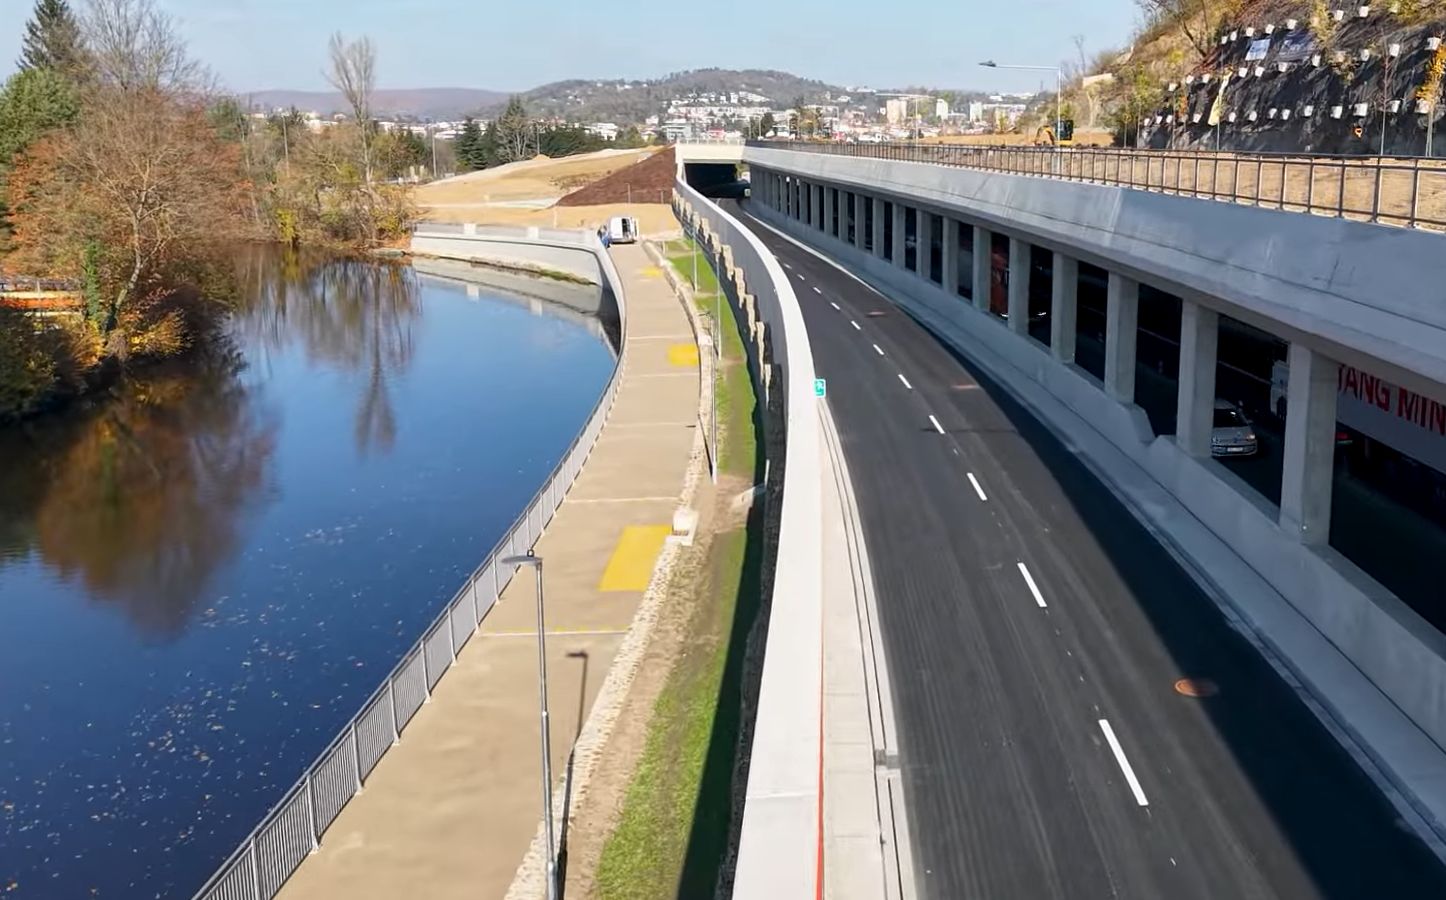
{"type": "Point", "coordinates": [510, 45]}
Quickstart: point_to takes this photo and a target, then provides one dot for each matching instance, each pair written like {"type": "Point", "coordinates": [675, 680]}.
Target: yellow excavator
{"type": "Point", "coordinates": [1045, 136]}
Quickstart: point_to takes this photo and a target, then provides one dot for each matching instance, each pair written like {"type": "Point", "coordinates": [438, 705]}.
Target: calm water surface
{"type": "Point", "coordinates": [203, 575]}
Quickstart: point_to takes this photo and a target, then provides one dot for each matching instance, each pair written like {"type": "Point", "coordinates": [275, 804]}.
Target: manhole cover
{"type": "Point", "coordinates": [1196, 687]}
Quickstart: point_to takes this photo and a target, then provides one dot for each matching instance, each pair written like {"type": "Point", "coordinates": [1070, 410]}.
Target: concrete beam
{"type": "Point", "coordinates": [1063, 307]}
{"type": "Point", "coordinates": [983, 259]}
{"type": "Point", "coordinates": [1018, 286]}
{"type": "Point", "coordinates": [898, 248]}
{"type": "Point", "coordinates": [1310, 430]}
{"type": "Point", "coordinates": [949, 256]}
{"type": "Point", "coordinates": [1122, 321]}
{"type": "Point", "coordinates": [1195, 406]}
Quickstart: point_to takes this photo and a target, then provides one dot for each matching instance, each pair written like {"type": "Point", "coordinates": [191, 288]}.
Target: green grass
{"type": "Point", "coordinates": [676, 818]}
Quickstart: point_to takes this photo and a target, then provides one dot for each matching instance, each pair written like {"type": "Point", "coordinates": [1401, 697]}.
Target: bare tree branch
{"type": "Point", "coordinates": [353, 73]}
{"type": "Point", "coordinates": [135, 47]}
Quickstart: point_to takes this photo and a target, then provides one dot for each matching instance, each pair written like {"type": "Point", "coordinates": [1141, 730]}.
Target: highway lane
{"type": "Point", "coordinates": [1035, 633]}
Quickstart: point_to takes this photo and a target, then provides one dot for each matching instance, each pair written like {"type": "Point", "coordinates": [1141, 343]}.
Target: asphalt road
{"type": "Point", "coordinates": [1035, 634]}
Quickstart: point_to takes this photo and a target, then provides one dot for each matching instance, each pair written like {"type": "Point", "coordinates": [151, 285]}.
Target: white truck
{"type": "Point", "coordinates": [1398, 417]}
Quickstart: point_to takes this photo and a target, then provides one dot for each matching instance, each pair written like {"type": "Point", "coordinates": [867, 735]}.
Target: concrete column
{"type": "Point", "coordinates": [828, 212]}
{"type": "Point", "coordinates": [817, 207]}
{"type": "Point", "coordinates": [898, 250]}
{"type": "Point", "coordinates": [1310, 440]}
{"type": "Point", "coordinates": [949, 256]}
{"type": "Point", "coordinates": [1122, 318]}
{"type": "Point", "coordinates": [859, 202]}
{"type": "Point", "coordinates": [879, 227]}
{"type": "Point", "coordinates": [1063, 307]}
{"type": "Point", "coordinates": [983, 259]}
{"type": "Point", "coordinates": [925, 240]}
{"type": "Point", "coordinates": [1018, 286]}
{"type": "Point", "coordinates": [1195, 407]}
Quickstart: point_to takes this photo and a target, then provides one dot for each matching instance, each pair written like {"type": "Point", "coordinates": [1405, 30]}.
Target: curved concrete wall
{"type": "Point", "coordinates": [780, 839]}
{"type": "Point", "coordinates": [527, 249]}
{"type": "Point", "coordinates": [1362, 294]}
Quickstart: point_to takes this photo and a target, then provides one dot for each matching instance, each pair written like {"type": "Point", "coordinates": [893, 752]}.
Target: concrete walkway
{"type": "Point", "coordinates": [451, 810]}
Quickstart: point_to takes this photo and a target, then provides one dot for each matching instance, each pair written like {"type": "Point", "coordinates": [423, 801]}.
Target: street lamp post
{"type": "Point", "coordinates": [1058, 88]}
{"type": "Point", "coordinates": [535, 562]}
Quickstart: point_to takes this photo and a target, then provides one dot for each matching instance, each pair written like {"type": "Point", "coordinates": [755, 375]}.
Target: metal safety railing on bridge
{"type": "Point", "coordinates": [293, 828]}
{"type": "Point", "coordinates": [1407, 192]}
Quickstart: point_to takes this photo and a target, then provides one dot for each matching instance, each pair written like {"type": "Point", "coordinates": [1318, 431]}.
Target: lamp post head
{"type": "Point", "coordinates": [526, 559]}
{"type": "Point", "coordinates": [990, 64]}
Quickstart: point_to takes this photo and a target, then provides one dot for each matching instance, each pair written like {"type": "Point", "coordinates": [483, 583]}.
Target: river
{"type": "Point", "coordinates": [204, 573]}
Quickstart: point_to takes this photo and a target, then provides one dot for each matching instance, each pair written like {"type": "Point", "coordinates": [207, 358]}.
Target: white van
{"type": "Point", "coordinates": [622, 230]}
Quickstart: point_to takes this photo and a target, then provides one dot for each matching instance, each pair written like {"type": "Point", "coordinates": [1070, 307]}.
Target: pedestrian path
{"type": "Point", "coordinates": [451, 810]}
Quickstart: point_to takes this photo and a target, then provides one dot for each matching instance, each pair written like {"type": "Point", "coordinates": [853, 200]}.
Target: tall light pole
{"type": "Point", "coordinates": [535, 563]}
{"type": "Point", "coordinates": [1058, 88]}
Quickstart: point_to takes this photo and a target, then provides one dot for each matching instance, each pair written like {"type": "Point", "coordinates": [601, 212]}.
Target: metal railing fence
{"type": "Point", "coordinates": [293, 828]}
{"type": "Point", "coordinates": [1408, 192]}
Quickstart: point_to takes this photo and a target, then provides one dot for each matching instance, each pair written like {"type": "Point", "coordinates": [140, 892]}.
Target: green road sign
{"type": "Point", "coordinates": [820, 387]}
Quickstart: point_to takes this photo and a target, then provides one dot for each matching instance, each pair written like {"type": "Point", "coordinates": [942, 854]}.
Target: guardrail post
{"type": "Point", "coordinates": [1259, 174]}
{"type": "Point", "coordinates": [1376, 195]}
{"type": "Point", "coordinates": [1341, 192]}
{"type": "Point", "coordinates": [392, 700]}
{"type": "Point", "coordinates": [356, 756]}
{"type": "Point", "coordinates": [1415, 191]}
{"type": "Point", "coordinates": [1284, 177]}
{"type": "Point", "coordinates": [1310, 188]}
{"type": "Point", "coordinates": [426, 675]}
{"type": "Point", "coordinates": [311, 812]}
{"type": "Point", "coordinates": [255, 872]}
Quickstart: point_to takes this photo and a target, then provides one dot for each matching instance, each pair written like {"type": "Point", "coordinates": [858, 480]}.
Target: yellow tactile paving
{"type": "Point", "coordinates": [631, 565]}
{"type": "Point", "coordinates": [651, 272]}
{"type": "Point", "coordinates": [683, 355]}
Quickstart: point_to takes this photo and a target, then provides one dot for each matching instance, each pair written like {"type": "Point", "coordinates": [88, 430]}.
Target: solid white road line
{"type": "Point", "coordinates": [816, 290]}
{"type": "Point", "coordinates": [833, 304]}
{"type": "Point", "coordinates": [877, 350]}
{"type": "Point", "coordinates": [905, 381]}
{"type": "Point", "coordinates": [855, 325]}
{"type": "Point", "coordinates": [980, 491]}
{"type": "Point", "coordinates": [1033, 588]}
{"type": "Point", "coordinates": [937, 427]}
{"type": "Point", "coordinates": [1124, 763]}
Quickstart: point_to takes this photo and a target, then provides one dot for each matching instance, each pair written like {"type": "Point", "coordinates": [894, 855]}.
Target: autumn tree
{"type": "Point", "coordinates": [32, 102]}
{"type": "Point", "coordinates": [142, 190]}
{"type": "Point", "coordinates": [52, 39]}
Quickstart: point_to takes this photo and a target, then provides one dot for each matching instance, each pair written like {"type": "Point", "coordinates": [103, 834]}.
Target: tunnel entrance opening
{"type": "Point", "coordinates": [717, 180]}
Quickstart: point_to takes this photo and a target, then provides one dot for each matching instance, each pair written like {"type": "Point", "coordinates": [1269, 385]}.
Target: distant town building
{"type": "Point", "coordinates": [608, 131]}
{"type": "Point", "coordinates": [941, 109]}
{"type": "Point", "coordinates": [896, 111]}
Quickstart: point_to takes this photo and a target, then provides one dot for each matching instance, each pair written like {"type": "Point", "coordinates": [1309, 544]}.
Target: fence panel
{"type": "Point", "coordinates": [283, 844]}
{"type": "Point", "coordinates": [236, 880]}
{"type": "Point", "coordinates": [374, 732]}
{"type": "Point", "coordinates": [438, 647]}
{"type": "Point", "coordinates": [410, 688]}
{"type": "Point", "coordinates": [334, 782]}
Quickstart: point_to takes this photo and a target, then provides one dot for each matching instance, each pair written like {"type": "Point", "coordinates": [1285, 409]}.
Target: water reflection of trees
{"type": "Point", "coordinates": [143, 495]}
{"type": "Point", "coordinates": [351, 315]}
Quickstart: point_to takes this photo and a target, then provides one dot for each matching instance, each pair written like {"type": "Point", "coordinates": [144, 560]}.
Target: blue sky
{"type": "Point", "coordinates": [512, 45]}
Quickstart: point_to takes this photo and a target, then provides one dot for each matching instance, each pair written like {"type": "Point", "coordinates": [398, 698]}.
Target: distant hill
{"type": "Point", "coordinates": [632, 100]}
{"type": "Point", "coordinates": [421, 103]}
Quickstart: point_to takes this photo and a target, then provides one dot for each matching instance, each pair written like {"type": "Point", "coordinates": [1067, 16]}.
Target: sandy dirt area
{"type": "Point", "coordinates": [530, 180]}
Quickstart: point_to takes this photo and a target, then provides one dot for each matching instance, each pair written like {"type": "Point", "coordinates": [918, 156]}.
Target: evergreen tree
{"type": "Point", "coordinates": [629, 138]}
{"type": "Point", "coordinates": [766, 124]}
{"type": "Point", "coordinates": [52, 38]}
{"type": "Point", "coordinates": [488, 152]}
{"type": "Point", "coordinates": [469, 146]}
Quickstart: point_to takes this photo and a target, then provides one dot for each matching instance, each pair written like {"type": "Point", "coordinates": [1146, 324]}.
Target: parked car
{"type": "Point", "coordinates": [1233, 434]}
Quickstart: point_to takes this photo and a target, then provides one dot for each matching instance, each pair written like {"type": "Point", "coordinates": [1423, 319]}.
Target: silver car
{"type": "Point", "coordinates": [1232, 434]}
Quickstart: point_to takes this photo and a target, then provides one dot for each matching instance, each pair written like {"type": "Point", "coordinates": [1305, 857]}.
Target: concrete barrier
{"type": "Point", "coordinates": [781, 840]}
{"type": "Point", "coordinates": [526, 249]}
